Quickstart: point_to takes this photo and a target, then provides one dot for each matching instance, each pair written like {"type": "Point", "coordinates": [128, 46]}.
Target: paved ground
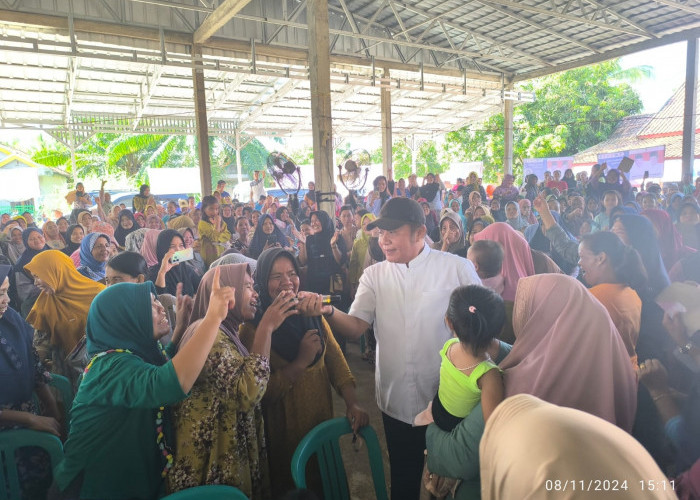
{"type": "Point", "coordinates": [356, 463]}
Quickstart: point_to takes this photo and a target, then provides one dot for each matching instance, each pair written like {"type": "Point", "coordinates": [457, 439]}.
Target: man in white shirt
{"type": "Point", "coordinates": [406, 298]}
{"type": "Point", "coordinates": [257, 186]}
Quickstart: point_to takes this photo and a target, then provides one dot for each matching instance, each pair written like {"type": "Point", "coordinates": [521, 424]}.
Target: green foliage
{"type": "Point", "coordinates": [401, 159]}
{"type": "Point", "coordinates": [105, 155]}
{"type": "Point", "coordinates": [572, 111]}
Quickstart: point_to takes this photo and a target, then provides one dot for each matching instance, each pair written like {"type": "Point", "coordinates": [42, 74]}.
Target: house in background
{"type": "Point", "coordinates": [662, 131]}
{"type": "Point", "coordinates": [29, 186]}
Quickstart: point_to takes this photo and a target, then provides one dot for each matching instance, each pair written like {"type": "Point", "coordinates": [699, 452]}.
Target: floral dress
{"type": "Point", "coordinates": [219, 428]}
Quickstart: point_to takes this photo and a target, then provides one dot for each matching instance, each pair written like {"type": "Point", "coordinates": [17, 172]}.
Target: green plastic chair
{"type": "Point", "coordinates": [65, 389]}
{"type": "Point", "coordinates": [323, 440]}
{"type": "Point", "coordinates": [10, 442]}
{"type": "Point", "coordinates": [208, 492]}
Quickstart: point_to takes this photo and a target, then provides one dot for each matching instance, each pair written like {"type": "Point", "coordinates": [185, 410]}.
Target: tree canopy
{"type": "Point", "coordinates": [572, 111]}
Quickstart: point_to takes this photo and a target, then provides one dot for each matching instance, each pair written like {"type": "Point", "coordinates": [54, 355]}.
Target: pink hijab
{"type": "Point", "coordinates": [517, 258]}
{"type": "Point", "coordinates": [567, 351]}
{"type": "Point", "coordinates": [103, 227]}
{"type": "Point", "coordinates": [148, 248]}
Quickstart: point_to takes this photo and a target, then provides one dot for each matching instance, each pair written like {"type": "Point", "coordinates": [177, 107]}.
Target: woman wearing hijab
{"type": "Point", "coordinates": [688, 225]}
{"type": "Point", "coordinates": [380, 195]}
{"type": "Point", "coordinates": [266, 235]}
{"type": "Point", "coordinates": [526, 211]}
{"type": "Point", "coordinates": [15, 247]}
{"type": "Point", "coordinates": [27, 291]}
{"type": "Point", "coordinates": [140, 201]}
{"type": "Point", "coordinates": [506, 191]}
{"type": "Point", "coordinates": [452, 234]}
{"type": "Point", "coordinates": [669, 239]}
{"type": "Point", "coordinates": [62, 224]}
{"type": "Point", "coordinates": [514, 218]}
{"type": "Point", "coordinates": [52, 236]}
{"type": "Point", "coordinates": [228, 217]}
{"type": "Point", "coordinates": [324, 254]}
{"type": "Point", "coordinates": [190, 241]}
{"type": "Point", "coordinates": [224, 405]}
{"type": "Point", "coordinates": [148, 248]}
{"type": "Point", "coordinates": [674, 206]}
{"type": "Point", "coordinates": [430, 190]}
{"type": "Point", "coordinates": [305, 362]}
{"type": "Point", "coordinates": [431, 220]}
{"type": "Point", "coordinates": [119, 414]}
{"type": "Point", "coordinates": [127, 224]}
{"type": "Point", "coordinates": [365, 252]}
{"type": "Point", "coordinates": [74, 237]}
{"type": "Point", "coordinates": [95, 250]}
{"type": "Point", "coordinates": [566, 361]}
{"type": "Point", "coordinates": [60, 312]}
{"type": "Point", "coordinates": [536, 450]}
{"type": "Point", "coordinates": [456, 206]}
{"type": "Point", "coordinates": [166, 275]}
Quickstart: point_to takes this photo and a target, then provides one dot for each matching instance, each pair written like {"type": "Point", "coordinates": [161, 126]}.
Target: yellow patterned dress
{"type": "Point", "coordinates": [219, 430]}
{"type": "Point", "coordinates": [292, 410]}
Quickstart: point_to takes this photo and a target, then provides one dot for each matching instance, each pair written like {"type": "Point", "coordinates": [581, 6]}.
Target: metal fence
{"type": "Point", "coordinates": [14, 209]}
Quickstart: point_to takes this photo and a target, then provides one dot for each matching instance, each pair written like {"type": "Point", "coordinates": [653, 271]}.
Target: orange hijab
{"type": "Point", "coordinates": [62, 314]}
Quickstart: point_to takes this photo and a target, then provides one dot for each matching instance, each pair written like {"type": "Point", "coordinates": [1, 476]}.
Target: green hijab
{"type": "Point", "coordinates": [120, 318]}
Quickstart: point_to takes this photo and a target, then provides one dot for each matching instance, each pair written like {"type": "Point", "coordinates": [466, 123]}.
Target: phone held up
{"type": "Point", "coordinates": [182, 256]}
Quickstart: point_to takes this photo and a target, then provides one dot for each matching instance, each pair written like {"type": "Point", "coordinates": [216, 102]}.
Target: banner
{"type": "Point", "coordinates": [19, 184]}
{"type": "Point", "coordinates": [651, 159]}
{"type": "Point", "coordinates": [539, 166]}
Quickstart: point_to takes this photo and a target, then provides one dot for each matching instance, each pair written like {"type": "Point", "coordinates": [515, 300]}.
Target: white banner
{"type": "Point", "coordinates": [174, 180]}
{"type": "Point", "coordinates": [19, 184]}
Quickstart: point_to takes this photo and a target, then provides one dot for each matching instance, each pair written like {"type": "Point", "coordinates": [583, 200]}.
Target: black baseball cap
{"type": "Point", "coordinates": [397, 212]}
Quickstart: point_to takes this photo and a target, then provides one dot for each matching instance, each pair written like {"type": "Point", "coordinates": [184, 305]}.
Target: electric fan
{"type": "Point", "coordinates": [285, 172]}
{"type": "Point", "coordinates": [350, 169]}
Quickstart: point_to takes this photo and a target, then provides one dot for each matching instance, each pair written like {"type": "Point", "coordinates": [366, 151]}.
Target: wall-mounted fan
{"type": "Point", "coordinates": [350, 170]}
{"type": "Point", "coordinates": [285, 172]}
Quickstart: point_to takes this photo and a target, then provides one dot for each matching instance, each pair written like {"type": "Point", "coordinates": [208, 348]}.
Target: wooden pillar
{"type": "Point", "coordinates": [387, 141]}
{"type": "Point", "coordinates": [239, 165]}
{"type": "Point", "coordinates": [691, 82]}
{"type": "Point", "coordinates": [320, 79]}
{"type": "Point", "coordinates": [200, 116]}
{"type": "Point", "coordinates": [508, 140]}
{"type": "Point", "coordinates": [414, 154]}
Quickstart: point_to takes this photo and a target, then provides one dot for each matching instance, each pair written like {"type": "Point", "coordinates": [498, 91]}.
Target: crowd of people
{"type": "Point", "coordinates": [517, 336]}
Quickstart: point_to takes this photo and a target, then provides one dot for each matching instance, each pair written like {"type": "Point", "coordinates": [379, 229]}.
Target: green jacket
{"type": "Point", "coordinates": [456, 454]}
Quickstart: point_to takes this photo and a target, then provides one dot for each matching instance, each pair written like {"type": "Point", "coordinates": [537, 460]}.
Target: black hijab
{"type": "Point", "coordinates": [287, 338]}
{"type": "Point", "coordinates": [120, 233]}
{"type": "Point", "coordinates": [28, 253]}
{"type": "Point", "coordinates": [642, 237]}
{"type": "Point", "coordinates": [70, 246]}
{"type": "Point", "coordinates": [257, 244]}
{"type": "Point", "coordinates": [182, 273]}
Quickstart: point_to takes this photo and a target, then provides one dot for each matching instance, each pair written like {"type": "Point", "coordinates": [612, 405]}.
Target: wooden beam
{"type": "Point", "coordinates": [321, 122]}
{"type": "Point", "coordinates": [217, 19]}
{"type": "Point", "coordinates": [200, 118]}
{"type": "Point", "coordinates": [611, 54]}
{"type": "Point", "coordinates": [691, 84]}
{"type": "Point", "coordinates": [387, 141]}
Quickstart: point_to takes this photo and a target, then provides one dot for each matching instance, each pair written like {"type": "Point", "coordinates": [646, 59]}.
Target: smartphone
{"type": "Point", "coordinates": [182, 256]}
{"type": "Point", "coordinates": [646, 173]}
{"type": "Point", "coordinates": [271, 240]}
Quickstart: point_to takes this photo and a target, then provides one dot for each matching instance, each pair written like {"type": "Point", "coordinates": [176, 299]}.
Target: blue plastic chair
{"type": "Point", "coordinates": [323, 440]}
{"type": "Point", "coordinates": [10, 442]}
{"type": "Point", "coordinates": [208, 492]}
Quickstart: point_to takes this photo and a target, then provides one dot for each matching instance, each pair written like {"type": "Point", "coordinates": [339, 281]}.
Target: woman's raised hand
{"type": "Point", "coordinates": [280, 309]}
{"type": "Point", "coordinates": [222, 299]}
{"type": "Point", "coordinates": [167, 264]}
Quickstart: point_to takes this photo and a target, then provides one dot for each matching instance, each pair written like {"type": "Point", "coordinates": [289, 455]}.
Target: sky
{"type": "Point", "coordinates": [668, 64]}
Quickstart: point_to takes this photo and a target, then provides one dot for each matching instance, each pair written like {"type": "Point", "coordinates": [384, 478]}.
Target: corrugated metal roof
{"type": "Point", "coordinates": [449, 60]}
{"type": "Point", "coordinates": [669, 120]}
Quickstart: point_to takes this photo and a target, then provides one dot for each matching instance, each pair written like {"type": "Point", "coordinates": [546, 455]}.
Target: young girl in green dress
{"type": "Point", "coordinates": [467, 374]}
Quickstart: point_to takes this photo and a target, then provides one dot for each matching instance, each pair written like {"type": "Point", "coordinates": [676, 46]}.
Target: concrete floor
{"type": "Point", "coordinates": [357, 463]}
